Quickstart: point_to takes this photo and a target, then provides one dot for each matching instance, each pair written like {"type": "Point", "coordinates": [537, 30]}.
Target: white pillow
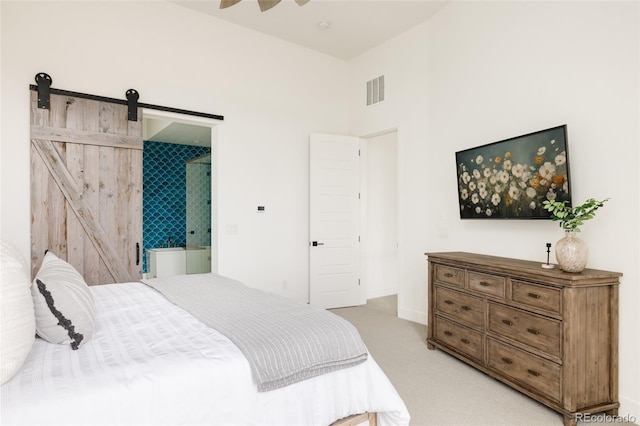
{"type": "Point", "coordinates": [17, 320]}
{"type": "Point", "coordinates": [63, 303]}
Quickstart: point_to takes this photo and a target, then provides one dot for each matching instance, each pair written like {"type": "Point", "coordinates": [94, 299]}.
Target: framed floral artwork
{"type": "Point", "coordinates": [510, 179]}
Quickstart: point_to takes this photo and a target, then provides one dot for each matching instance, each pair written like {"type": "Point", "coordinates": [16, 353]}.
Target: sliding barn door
{"type": "Point", "coordinates": [86, 187]}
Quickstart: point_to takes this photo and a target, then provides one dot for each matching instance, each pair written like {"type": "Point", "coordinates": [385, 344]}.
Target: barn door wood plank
{"type": "Point", "coordinates": [57, 208]}
{"type": "Point", "coordinates": [66, 184]}
{"type": "Point", "coordinates": [92, 259]}
{"type": "Point", "coordinates": [107, 201]}
{"type": "Point", "coordinates": [39, 194]}
{"type": "Point", "coordinates": [75, 165]}
{"type": "Point", "coordinates": [85, 138]}
{"type": "Point", "coordinates": [135, 211]}
{"type": "Point", "coordinates": [39, 217]}
{"type": "Point", "coordinates": [91, 124]}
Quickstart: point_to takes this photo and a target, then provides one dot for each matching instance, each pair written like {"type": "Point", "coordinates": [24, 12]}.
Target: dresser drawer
{"type": "Point", "coordinates": [449, 275]}
{"type": "Point", "coordinates": [459, 337]}
{"type": "Point", "coordinates": [536, 331]}
{"type": "Point", "coordinates": [536, 296]}
{"type": "Point", "coordinates": [530, 370]}
{"type": "Point", "coordinates": [487, 284]}
{"type": "Point", "coordinates": [463, 307]}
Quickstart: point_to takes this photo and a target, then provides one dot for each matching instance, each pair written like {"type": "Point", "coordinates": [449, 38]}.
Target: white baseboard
{"type": "Point", "coordinates": [411, 315]}
{"type": "Point", "coordinates": [629, 409]}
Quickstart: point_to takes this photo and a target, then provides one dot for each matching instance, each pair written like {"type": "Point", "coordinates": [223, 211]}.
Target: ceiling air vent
{"type": "Point", "coordinates": [375, 90]}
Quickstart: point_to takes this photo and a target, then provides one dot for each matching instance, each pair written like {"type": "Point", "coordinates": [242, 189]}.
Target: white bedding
{"type": "Point", "coordinates": [151, 363]}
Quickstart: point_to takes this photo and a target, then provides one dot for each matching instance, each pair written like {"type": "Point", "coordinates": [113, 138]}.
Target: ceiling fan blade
{"type": "Point", "coordinates": [302, 2]}
{"type": "Point", "coordinates": [226, 3]}
{"type": "Point", "coordinates": [267, 4]}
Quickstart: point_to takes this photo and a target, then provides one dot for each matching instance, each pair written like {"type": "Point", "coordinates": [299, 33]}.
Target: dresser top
{"type": "Point", "coordinates": [524, 268]}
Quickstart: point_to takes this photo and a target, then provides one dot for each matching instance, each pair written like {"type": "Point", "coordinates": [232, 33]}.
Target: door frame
{"type": "Point", "coordinates": [363, 211]}
{"type": "Point", "coordinates": [214, 125]}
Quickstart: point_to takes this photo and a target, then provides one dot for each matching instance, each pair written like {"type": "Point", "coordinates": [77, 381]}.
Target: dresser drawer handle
{"type": "Point", "coordinates": [533, 331]}
{"type": "Point", "coordinates": [507, 322]}
{"type": "Point", "coordinates": [465, 308]}
{"type": "Point", "coordinates": [533, 373]}
{"type": "Point", "coordinates": [507, 361]}
{"type": "Point", "coordinates": [484, 284]}
{"type": "Point", "coordinates": [448, 302]}
{"type": "Point", "coordinates": [465, 341]}
{"type": "Point", "coordinates": [534, 296]}
{"type": "Point", "coordinates": [448, 333]}
{"type": "Point", "coordinates": [448, 275]}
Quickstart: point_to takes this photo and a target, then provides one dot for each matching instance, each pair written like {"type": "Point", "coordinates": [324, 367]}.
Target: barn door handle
{"type": "Point", "coordinates": [137, 253]}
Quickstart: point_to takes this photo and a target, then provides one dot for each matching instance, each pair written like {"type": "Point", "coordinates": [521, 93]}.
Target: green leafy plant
{"type": "Point", "coordinates": [571, 218]}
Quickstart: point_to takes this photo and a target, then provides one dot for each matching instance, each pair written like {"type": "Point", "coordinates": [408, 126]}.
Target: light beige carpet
{"type": "Point", "coordinates": [436, 387]}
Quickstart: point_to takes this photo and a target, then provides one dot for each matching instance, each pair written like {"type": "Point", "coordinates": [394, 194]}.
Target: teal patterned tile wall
{"type": "Point", "coordinates": [164, 198]}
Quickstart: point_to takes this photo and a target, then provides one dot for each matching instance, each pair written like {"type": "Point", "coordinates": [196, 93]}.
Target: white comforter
{"type": "Point", "coordinates": [151, 363]}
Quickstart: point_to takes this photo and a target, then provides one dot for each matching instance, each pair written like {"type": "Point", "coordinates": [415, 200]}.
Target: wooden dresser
{"type": "Point", "coordinates": [550, 334]}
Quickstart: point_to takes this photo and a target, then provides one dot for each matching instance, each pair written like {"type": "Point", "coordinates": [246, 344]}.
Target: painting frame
{"type": "Point", "coordinates": [511, 178]}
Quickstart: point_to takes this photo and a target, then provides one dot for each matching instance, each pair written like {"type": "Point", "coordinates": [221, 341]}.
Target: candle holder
{"type": "Point", "coordinates": [548, 265]}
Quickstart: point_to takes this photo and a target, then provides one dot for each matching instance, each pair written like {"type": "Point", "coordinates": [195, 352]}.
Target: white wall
{"type": "Point", "coordinates": [381, 261]}
{"type": "Point", "coordinates": [180, 58]}
{"type": "Point", "coordinates": [479, 72]}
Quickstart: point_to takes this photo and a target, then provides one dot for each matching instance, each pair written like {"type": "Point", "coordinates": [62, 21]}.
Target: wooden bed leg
{"type": "Point", "coordinates": [373, 419]}
{"type": "Point", "coordinates": [364, 419]}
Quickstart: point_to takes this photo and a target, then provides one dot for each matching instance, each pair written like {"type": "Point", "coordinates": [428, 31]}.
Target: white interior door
{"type": "Point", "coordinates": [334, 226]}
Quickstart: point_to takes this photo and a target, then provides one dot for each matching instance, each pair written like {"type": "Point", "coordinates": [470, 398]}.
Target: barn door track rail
{"type": "Point", "coordinates": [44, 89]}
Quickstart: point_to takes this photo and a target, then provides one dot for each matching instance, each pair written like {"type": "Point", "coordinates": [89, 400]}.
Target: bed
{"type": "Point", "coordinates": [150, 362]}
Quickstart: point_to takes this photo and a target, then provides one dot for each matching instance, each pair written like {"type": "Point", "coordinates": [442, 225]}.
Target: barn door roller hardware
{"type": "Point", "coordinates": [44, 90]}
{"type": "Point", "coordinates": [132, 102]}
{"type": "Point", "coordinates": [44, 85]}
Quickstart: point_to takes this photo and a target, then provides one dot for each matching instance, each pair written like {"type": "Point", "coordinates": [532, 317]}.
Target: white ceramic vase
{"type": "Point", "coordinates": [571, 252]}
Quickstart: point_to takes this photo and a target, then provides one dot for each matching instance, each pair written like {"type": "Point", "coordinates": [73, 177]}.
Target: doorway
{"type": "Point", "coordinates": [355, 200]}
{"type": "Point", "coordinates": [380, 224]}
{"type": "Point", "coordinates": [180, 203]}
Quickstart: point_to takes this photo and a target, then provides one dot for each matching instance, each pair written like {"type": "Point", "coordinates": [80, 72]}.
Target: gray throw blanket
{"type": "Point", "coordinates": [284, 341]}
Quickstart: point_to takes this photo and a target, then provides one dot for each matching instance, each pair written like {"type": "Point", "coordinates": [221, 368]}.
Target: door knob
{"type": "Point", "coordinates": [315, 243]}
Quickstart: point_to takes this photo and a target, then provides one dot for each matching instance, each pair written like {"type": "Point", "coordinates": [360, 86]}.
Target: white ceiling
{"type": "Point", "coordinates": [355, 26]}
{"type": "Point", "coordinates": [167, 130]}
